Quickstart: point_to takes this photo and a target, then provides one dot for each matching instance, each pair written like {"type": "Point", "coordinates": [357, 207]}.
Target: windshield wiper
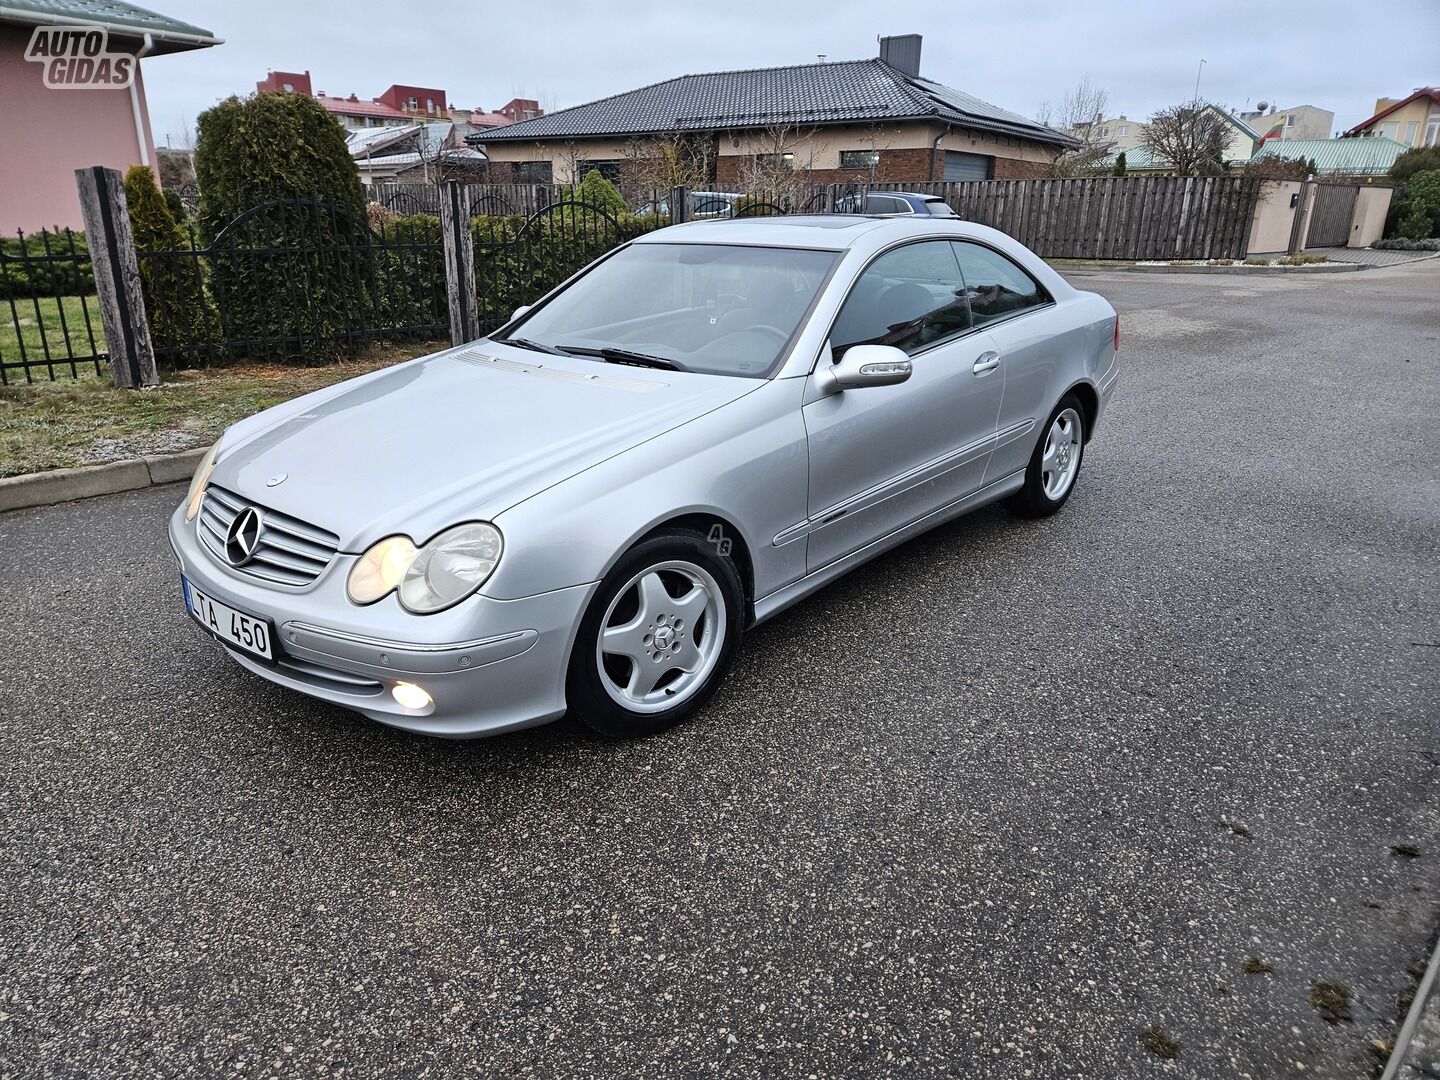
{"type": "Point", "coordinates": [626, 356]}
{"type": "Point", "coordinates": [534, 346]}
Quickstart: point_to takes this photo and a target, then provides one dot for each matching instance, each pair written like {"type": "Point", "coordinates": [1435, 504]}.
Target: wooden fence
{"type": "Point", "coordinates": [500, 200]}
{"type": "Point", "coordinates": [1112, 217]}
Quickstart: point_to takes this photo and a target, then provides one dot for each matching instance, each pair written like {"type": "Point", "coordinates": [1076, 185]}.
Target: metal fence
{"type": "Point", "coordinates": [49, 322]}
{"type": "Point", "coordinates": [514, 268]}
{"type": "Point", "coordinates": [293, 278]}
{"type": "Point", "coordinates": [497, 200]}
{"type": "Point", "coordinates": [300, 279]}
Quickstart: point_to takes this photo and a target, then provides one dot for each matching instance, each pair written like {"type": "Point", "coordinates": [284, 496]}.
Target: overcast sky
{"type": "Point", "coordinates": [1337, 54]}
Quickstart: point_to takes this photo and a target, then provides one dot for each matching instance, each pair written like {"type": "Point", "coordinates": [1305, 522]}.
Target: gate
{"type": "Point", "coordinates": [1330, 220]}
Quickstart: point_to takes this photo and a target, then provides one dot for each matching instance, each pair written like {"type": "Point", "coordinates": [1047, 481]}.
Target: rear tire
{"type": "Point", "coordinates": [659, 635]}
{"type": "Point", "coordinates": [1054, 467]}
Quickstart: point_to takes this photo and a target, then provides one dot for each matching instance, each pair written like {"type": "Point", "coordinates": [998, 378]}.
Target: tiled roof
{"type": "Point", "coordinates": [347, 107]}
{"type": "Point", "coordinates": [170, 35]}
{"type": "Point", "coordinates": [847, 91]}
{"type": "Point", "coordinates": [1369, 156]}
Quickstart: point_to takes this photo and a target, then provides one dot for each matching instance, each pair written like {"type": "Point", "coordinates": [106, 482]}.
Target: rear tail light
{"type": "Point", "coordinates": [1117, 333]}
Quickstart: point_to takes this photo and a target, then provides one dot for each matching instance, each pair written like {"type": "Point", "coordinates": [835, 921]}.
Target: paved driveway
{"type": "Point", "coordinates": [992, 806]}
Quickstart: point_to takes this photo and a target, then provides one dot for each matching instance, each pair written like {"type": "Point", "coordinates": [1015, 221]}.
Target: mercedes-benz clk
{"type": "Point", "coordinates": [586, 510]}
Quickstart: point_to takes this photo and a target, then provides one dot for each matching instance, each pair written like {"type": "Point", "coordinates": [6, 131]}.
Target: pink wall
{"type": "Point", "coordinates": [45, 135]}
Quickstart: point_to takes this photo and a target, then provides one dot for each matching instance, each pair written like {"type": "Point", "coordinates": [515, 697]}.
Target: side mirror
{"type": "Point", "coordinates": [521, 310]}
{"type": "Point", "coordinates": [865, 365]}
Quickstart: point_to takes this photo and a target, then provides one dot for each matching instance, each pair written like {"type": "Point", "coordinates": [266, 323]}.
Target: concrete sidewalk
{"type": "Point", "coordinates": [1372, 256]}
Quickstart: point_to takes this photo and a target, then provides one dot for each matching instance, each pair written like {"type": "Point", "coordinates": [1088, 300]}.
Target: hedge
{"type": "Point", "coordinates": [1419, 209]}
{"type": "Point", "coordinates": [65, 276]}
{"type": "Point", "coordinates": [283, 157]}
{"type": "Point", "coordinates": [517, 265]}
{"type": "Point", "coordinates": [181, 316]}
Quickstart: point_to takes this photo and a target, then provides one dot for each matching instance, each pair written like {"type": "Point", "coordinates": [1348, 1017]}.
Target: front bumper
{"type": "Point", "coordinates": [488, 665]}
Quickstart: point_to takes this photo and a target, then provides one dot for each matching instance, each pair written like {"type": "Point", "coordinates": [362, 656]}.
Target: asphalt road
{"type": "Point", "coordinates": [990, 807]}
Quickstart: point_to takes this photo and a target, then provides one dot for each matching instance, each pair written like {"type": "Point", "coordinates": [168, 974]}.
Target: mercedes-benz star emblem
{"type": "Point", "coordinates": [243, 538]}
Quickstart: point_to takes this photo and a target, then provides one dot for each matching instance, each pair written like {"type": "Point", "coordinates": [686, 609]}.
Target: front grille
{"type": "Point", "coordinates": [290, 552]}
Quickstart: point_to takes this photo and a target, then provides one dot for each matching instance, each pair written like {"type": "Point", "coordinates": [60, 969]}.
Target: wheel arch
{"type": "Point", "coordinates": [1089, 399]}
{"type": "Point", "coordinates": [728, 539]}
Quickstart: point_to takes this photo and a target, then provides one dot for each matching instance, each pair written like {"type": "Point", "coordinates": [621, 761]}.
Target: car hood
{"type": "Point", "coordinates": [460, 435]}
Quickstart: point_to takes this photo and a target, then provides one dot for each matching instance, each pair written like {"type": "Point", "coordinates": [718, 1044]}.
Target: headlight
{"type": "Point", "coordinates": [450, 567]}
{"type": "Point", "coordinates": [380, 569]}
{"type": "Point", "coordinates": [439, 575]}
{"type": "Point", "coordinates": [198, 482]}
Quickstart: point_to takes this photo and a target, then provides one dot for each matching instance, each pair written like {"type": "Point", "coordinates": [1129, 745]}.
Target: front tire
{"type": "Point", "coordinates": [1055, 465]}
{"type": "Point", "coordinates": [657, 638]}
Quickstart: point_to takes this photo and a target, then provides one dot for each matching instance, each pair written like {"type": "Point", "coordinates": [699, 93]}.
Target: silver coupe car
{"type": "Point", "coordinates": [585, 511]}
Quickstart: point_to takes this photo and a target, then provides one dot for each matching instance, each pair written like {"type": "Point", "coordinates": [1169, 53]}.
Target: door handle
{"type": "Point", "coordinates": [988, 362]}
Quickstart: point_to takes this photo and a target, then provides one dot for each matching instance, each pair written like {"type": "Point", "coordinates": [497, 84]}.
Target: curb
{"type": "Point", "coordinates": [1239, 268]}
{"type": "Point", "coordinates": [1425, 996]}
{"type": "Point", "coordinates": [66, 485]}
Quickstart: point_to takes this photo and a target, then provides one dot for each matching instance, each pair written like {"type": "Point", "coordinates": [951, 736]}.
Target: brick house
{"type": "Point", "coordinates": [397, 106]}
{"type": "Point", "coordinates": [849, 120]}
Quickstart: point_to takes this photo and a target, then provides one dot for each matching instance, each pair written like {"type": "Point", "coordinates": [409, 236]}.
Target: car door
{"type": "Point", "coordinates": [884, 456]}
{"type": "Point", "coordinates": [1008, 303]}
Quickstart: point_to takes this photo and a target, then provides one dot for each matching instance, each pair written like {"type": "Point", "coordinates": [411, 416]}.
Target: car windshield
{"type": "Point", "coordinates": [719, 309]}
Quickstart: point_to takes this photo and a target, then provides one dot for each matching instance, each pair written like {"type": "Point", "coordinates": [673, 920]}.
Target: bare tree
{"type": "Point", "coordinates": [1191, 137]}
{"type": "Point", "coordinates": [676, 159]}
{"type": "Point", "coordinates": [1079, 115]}
{"type": "Point", "coordinates": [439, 157]}
{"type": "Point", "coordinates": [780, 166]}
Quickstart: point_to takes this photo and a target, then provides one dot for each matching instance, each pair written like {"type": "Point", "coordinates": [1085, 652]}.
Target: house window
{"type": "Point", "coordinates": [1390, 129]}
{"type": "Point", "coordinates": [776, 162]}
{"type": "Point", "coordinates": [1122, 131]}
{"type": "Point", "coordinates": [1410, 129]}
{"type": "Point", "coordinates": [1432, 131]}
{"type": "Point", "coordinates": [610, 170]}
{"type": "Point", "coordinates": [414, 103]}
{"type": "Point", "coordinates": [429, 104]}
{"type": "Point", "coordinates": [289, 88]}
{"type": "Point", "coordinates": [859, 159]}
{"type": "Point", "coordinates": [533, 172]}
{"type": "Point", "coordinates": [1289, 121]}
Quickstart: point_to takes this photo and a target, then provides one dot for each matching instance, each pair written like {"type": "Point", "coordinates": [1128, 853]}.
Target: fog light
{"type": "Point", "coordinates": [410, 696]}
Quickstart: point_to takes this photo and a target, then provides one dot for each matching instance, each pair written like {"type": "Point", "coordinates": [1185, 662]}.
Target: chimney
{"type": "Point", "coordinates": [902, 53]}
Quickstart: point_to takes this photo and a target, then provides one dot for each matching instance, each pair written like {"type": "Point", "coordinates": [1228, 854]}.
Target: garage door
{"type": "Point", "coordinates": [960, 166]}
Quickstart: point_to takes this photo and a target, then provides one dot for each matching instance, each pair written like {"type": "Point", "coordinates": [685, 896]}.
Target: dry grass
{"type": "Point", "coordinates": [87, 421]}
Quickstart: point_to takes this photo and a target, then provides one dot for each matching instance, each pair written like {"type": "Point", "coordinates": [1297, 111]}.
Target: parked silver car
{"type": "Point", "coordinates": [587, 509]}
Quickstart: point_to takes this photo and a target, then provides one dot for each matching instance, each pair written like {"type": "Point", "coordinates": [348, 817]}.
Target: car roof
{"type": "Point", "coordinates": [835, 232]}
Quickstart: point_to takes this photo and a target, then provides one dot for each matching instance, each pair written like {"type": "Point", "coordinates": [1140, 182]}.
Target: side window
{"type": "Point", "coordinates": [885, 204]}
{"type": "Point", "coordinates": [910, 298]}
{"type": "Point", "coordinates": [995, 286]}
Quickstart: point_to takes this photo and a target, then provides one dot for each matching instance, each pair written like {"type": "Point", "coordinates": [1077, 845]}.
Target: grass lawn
{"type": "Point", "coordinates": [55, 320]}
{"type": "Point", "coordinates": [87, 421]}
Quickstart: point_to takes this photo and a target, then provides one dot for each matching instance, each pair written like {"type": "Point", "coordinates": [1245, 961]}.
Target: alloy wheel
{"type": "Point", "coordinates": [1060, 460]}
{"type": "Point", "coordinates": [661, 636]}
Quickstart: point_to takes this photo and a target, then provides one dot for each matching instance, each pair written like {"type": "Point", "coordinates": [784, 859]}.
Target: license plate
{"type": "Point", "coordinates": [244, 632]}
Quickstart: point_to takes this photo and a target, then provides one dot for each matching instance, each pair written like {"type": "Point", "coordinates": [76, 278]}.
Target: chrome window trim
{"type": "Point", "coordinates": [1048, 303]}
